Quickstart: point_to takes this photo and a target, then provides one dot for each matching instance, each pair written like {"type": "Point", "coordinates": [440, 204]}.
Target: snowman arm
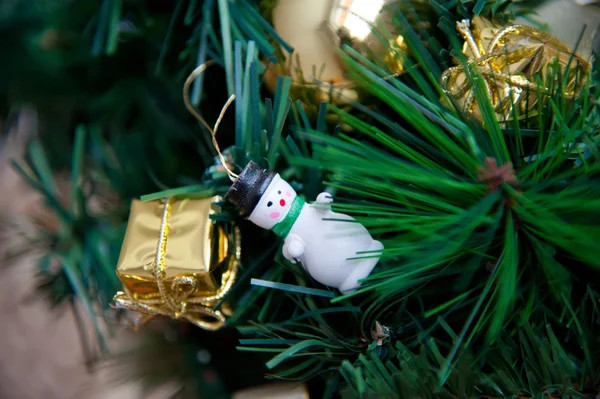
{"type": "Point", "coordinates": [293, 247]}
{"type": "Point", "coordinates": [323, 203]}
{"type": "Point", "coordinates": [324, 198]}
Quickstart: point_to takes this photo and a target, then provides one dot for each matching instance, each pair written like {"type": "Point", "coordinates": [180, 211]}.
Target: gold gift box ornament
{"type": "Point", "coordinates": [177, 262]}
{"type": "Point", "coordinates": [510, 60]}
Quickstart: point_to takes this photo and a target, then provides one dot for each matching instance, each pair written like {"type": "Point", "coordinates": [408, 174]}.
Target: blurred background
{"type": "Point", "coordinates": [60, 70]}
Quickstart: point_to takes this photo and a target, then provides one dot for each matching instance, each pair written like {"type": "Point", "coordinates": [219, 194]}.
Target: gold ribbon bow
{"type": "Point", "coordinates": [178, 301]}
{"type": "Point", "coordinates": [508, 62]}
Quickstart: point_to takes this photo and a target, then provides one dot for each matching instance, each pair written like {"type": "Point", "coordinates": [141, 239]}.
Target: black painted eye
{"type": "Point", "coordinates": [269, 203]}
{"type": "Point", "coordinates": [278, 192]}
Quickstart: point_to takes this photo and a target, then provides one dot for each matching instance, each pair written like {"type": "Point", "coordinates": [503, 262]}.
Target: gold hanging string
{"type": "Point", "coordinates": [213, 132]}
{"type": "Point", "coordinates": [186, 92]}
{"type": "Point", "coordinates": [179, 301]}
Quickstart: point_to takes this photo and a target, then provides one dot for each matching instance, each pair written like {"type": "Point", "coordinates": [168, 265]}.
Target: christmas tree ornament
{"type": "Point", "coordinates": [317, 29]}
{"type": "Point", "coordinates": [332, 247]}
{"type": "Point", "coordinates": [511, 59]}
{"type": "Point", "coordinates": [176, 261]}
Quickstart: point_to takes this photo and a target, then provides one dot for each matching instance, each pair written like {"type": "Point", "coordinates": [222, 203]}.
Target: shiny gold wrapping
{"type": "Point", "coordinates": [175, 261]}
{"type": "Point", "coordinates": [190, 247]}
{"type": "Point", "coordinates": [511, 59]}
{"type": "Point", "coordinates": [317, 29]}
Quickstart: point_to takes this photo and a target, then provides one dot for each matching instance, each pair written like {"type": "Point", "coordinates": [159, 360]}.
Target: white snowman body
{"type": "Point", "coordinates": [330, 246]}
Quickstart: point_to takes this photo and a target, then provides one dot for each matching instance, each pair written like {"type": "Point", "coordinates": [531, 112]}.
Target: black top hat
{"type": "Point", "coordinates": [248, 188]}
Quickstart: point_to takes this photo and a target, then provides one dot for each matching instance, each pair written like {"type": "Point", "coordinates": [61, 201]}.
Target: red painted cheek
{"type": "Point", "coordinates": [275, 215]}
{"type": "Point", "coordinates": [282, 202]}
{"type": "Point", "coordinates": [289, 193]}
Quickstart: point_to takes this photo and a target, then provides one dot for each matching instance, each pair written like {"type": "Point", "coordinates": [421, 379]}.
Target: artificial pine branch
{"type": "Point", "coordinates": [487, 286]}
{"type": "Point", "coordinates": [455, 210]}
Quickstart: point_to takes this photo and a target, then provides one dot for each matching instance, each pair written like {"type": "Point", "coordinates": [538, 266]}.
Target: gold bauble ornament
{"type": "Point", "coordinates": [177, 262]}
{"type": "Point", "coordinates": [317, 29]}
{"type": "Point", "coordinates": [510, 60]}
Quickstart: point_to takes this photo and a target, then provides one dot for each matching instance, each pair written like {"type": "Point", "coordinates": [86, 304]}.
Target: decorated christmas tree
{"type": "Point", "coordinates": [373, 199]}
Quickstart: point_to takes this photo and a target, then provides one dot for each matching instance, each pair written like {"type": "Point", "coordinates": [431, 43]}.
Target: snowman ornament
{"type": "Point", "coordinates": [332, 247]}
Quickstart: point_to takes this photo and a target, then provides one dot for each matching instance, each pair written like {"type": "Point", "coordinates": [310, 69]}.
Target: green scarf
{"type": "Point", "coordinates": [282, 229]}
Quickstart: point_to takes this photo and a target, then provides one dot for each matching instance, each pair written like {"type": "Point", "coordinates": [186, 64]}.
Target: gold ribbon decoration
{"type": "Point", "coordinates": [510, 59]}
{"type": "Point", "coordinates": [179, 297]}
